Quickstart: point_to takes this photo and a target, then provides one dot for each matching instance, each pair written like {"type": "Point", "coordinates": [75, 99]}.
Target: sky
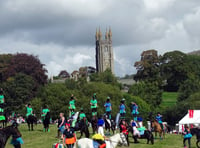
{"type": "Point", "coordinates": [62, 32]}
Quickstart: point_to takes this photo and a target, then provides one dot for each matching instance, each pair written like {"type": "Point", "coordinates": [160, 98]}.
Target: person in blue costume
{"type": "Point", "coordinates": [100, 124]}
{"type": "Point", "coordinates": [135, 112]}
{"type": "Point", "coordinates": [122, 109]}
{"type": "Point", "coordinates": [187, 136]}
{"type": "Point", "coordinates": [108, 107]}
{"type": "Point", "coordinates": [159, 119]}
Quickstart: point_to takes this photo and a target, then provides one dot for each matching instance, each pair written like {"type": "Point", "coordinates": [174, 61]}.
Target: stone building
{"type": "Point", "coordinates": [104, 51]}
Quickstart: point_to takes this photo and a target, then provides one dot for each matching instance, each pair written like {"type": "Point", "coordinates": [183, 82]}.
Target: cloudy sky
{"type": "Point", "coordinates": [62, 32]}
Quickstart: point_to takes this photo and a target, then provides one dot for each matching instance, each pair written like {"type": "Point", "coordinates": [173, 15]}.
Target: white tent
{"type": "Point", "coordinates": [190, 120]}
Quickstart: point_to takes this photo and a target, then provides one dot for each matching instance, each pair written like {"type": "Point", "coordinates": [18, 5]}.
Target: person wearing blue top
{"type": "Point", "coordinates": [159, 119]}
{"type": "Point", "coordinates": [100, 124]}
{"type": "Point", "coordinates": [134, 108]}
{"type": "Point", "coordinates": [187, 136]}
{"type": "Point", "coordinates": [108, 107]}
{"type": "Point", "coordinates": [122, 108]}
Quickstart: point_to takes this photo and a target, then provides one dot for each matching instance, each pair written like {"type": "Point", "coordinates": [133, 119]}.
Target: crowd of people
{"type": "Point", "coordinates": [68, 134]}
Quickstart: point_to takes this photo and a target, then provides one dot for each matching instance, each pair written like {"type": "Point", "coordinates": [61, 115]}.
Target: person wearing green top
{"type": "Point", "coordinates": [45, 110]}
{"type": "Point", "coordinates": [93, 104]}
{"type": "Point", "coordinates": [72, 106]}
{"type": "Point", "coordinates": [82, 114]}
{"type": "Point", "coordinates": [29, 110]}
{"type": "Point", "coordinates": [2, 117]}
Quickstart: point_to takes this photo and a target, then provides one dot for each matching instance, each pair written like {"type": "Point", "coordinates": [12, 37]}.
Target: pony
{"type": "Point", "coordinates": [30, 121]}
{"type": "Point", "coordinates": [109, 125]}
{"type": "Point", "coordinates": [82, 126]}
{"type": "Point", "coordinates": [147, 135]}
{"type": "Point", "coordinates": [196, 131]}
{"type": "Point", "coordinates": [6, 132]}
{"type": "Point", "coordinates": [111, 143]}
{"type": "Point", "coordinates": [94, 124]}
{"type": "Point", "coordinates": [157, 128]}
{"type": "Point", "coordinates": [46, 122]}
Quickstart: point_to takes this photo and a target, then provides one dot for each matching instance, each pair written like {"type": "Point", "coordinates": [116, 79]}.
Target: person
{"type": "Point", "coordinates": [69, 136]}
{"type": "Point", "coordinates": [29, 110]}
{"type": "Point", "coordinates": [45, 110]}
{"type": "Point", "coordinates": [93, 104]}
{"type": "Point", "coordinates": [135, 130]}
{"type": "Point", "coordinates": [82, 114]}
{"type": "Point", "coordinates": [122, 109]}
{"type": "Point", "coordinates": [159, 119]}
{"type": "Point", "coordinates": [16, 140]}
{"type": "Point", "coordinates": [61, 124]}
{"type": "Point", "coordinates": [72, 106]}
{"type": "Point", "coordinates": [134, 108]}
{"type": "Point", "coordinates": [108, 107]}
{"type": "Point", "coordinates": [100, 124]}
{"type": "Point", "coordinates": [98, 141]}
{"type": "Point", "coordinates": [2, 101]}
{"type": "Point", "coordinates": [124, 129]}
{"type": "Point", "coordinates": [187, 136]}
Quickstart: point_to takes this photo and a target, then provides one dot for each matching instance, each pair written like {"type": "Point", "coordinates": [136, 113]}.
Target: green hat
{"type": "Point", "coordinates": [108, 97]}
{"type": "Point", "coordinates": [123, 99]}
{"type": "Point", "coordinates": [81, 108]}
{"type": "Point", "coordinates": [94, 94]}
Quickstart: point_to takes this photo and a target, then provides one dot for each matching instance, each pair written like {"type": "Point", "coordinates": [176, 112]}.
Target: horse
{"type": "Point", "coordinates": [82, 126]}
{"type": "Point", "coordinates": [157, 128]}
{"type": "Point", "coordinates": [196, 131]}
{"type": "Point", "coordinates": [46, 122]}
{"type": "Point", "coordinates": [30, 121]}
{"type": "Point", "coordinates": [111, 143]}
{"type": "Point", "coordinates": [94, 124]}
{"type": "Point", "coordinates": [6, 132]}
{"type": "Point", "coordinates": [109, 125]}
{"type": "Point", "coordinates": [147, 135]}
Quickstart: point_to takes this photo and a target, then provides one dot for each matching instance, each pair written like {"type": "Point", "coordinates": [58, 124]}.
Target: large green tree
{"type": "Point", "coordinates": [174, 69]}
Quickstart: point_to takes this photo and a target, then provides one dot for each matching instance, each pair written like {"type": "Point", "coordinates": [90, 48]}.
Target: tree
{"type": "Point", "coordinates": [174, 69]}
{"type": "Point", "coordinates": [148, 91]}
{"type": "Point", "coordinates": [29, 65]}
{"type": "Point", "coordinates": [18, 90]}
{"type": "Point", "coordinates": [189, 87]}
{"type": "Point", "coordinates": [64, 74]}
{"type": "Point", "coordinates": [148, 66]}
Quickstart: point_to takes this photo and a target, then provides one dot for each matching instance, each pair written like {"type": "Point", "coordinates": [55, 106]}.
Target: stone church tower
{"type": "Point", "coordinates": [104, 51]}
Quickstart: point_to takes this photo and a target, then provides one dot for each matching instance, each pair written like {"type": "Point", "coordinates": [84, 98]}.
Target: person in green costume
{"type": "Point", "coordinates": [45, 110]}
{"type": "Point", "coordinates": [29, 110]}
{"type": "Point", "coordinates": [2, 101]}
{"type": "Point", "coordinates": [72, 106]}
{"type": "Point", "coordinates": [82, 114]}
{"type": "Point", "coordinates": [93, 104]}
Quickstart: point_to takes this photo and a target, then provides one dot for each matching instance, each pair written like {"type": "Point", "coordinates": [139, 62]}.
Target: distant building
{"type": "Point", "coordinates": [75, 75]}
{"type": "Point", "coordinates": [64, 74]}
{"type": "Point", "coordinates": [104, 51]}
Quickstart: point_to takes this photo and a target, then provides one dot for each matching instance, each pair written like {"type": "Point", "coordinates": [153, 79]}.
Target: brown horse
{"type": "Point", "coordinates": [157, 128]}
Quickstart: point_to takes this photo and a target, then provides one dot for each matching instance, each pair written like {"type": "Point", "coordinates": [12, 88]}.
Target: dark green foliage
{"type": "Point", "coordinates": [189, 87]}
{"type": "Point", "coordinates": [18, 90]}
{"type": "Point", "coordinates": [174, 69]}
{"type": "Point", "coordinates": [148, 91]}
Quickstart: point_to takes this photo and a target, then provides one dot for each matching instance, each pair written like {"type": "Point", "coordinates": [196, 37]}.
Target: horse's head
{"type": "Point", "coordinates": [123, 140]}
{"type": "Point", "coordinates": [12, 130]}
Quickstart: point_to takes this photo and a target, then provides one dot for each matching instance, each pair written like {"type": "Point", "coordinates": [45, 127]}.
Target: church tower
{"type": "Point", "coordinates": [104, 51]}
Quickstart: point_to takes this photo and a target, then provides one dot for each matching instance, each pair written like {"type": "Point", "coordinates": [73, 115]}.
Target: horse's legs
{"type": "Point", "coordinates": [29, 126]}
{"type": "Point", "coordinates": [32, 126]}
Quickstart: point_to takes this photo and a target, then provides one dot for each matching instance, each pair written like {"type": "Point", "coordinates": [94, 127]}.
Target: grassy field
{"type": "Point", "coordinates": [169, 99]}
{"type": "Point", "coordinates": [39, 139]}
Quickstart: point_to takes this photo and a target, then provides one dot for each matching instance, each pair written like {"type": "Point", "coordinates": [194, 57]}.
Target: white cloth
{"type": "Point", "coordinates": [101, 131]}
{"type": "Point", "coordinates": [135, 131]}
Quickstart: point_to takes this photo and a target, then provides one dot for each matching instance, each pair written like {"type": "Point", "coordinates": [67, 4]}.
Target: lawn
{"type": "Point", "coordinates": [39, 139]}
{"type": "Point", "coordinates": [169, 99]}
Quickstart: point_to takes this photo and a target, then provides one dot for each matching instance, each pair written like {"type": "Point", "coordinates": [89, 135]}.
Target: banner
{"type": "Point", "coordinates": [191, 113]}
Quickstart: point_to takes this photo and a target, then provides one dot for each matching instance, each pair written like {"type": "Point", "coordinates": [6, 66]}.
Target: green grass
{"type": "Point", "coordinates": [39, 139]}
{"type": "Point", "coordinates": [169, 99]}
